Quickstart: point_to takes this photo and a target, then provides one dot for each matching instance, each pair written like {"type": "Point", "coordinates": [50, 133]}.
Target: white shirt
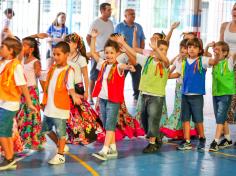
{"type": "Point", "coordinates": [20, 81]}
{"type": "Point", "coordinates": [105, 29]}
{"type": "Point", "coordinates": [30, 73]}
{"type": "Point", "coordinates": [50, 109]}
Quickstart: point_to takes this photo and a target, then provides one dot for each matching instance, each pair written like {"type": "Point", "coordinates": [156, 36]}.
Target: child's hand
{"type": "Point", "coordinates": [175, 25]}
{"type": "Point", "coordinates": [153, 43]}
{"type": "Point", "coordinates": [77, 99]}
{"type": "Point", "coordinates": [120, 39]}
{"type": "Point", "coordinates": [131, 68]}
{"type": "Point", "coordinates": [32, 108]}
{"type": "Point", "coordinates": [212, 44]}
{"type": "Point", "coordinates": [42, 107]}
{"type": "Point", "coordinates": [94, 33]}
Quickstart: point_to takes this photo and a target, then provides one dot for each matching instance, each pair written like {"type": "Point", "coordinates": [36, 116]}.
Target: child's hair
{"type": "Point", "coordinates": [162, 35]}
{"type": "Point", "coordinates": [64, 46]}
{"type": "Point", "coordinates": [189, 33]}
{"type": "Point", "coordinates": [197, 43]}
{"type": "Point", "coordinates": [75, 38]}
{"type": "Point", "coordinates": [111, 43]}
{"type": "Point", "coordinates": [162, 42]}
{"type": "Point", "coordinates": [224, 47]}
{"type": "Point", "coordinates": [183, 43]}
{"type": "Point", "coordinates": [55, 22]}
{"type": "Point", "coordinates": [9, 11]}
{"type": "Point", "coordinates": [13, 44]}
{"type": "Point", "coordinates": [33, 43]}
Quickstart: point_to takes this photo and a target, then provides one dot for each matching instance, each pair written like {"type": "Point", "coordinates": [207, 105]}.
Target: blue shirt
{"type": "Point", "coordinates": [127, 31]}
{"type": "Point", "coordinates": [57, 33]}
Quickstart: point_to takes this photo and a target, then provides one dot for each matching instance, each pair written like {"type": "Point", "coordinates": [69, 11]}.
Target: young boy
{"type": "Point", "coordinates": [12, 84]}
{"type": "Point", "coordinates": [152, 85]}
{"type": "Point", "coordinates": [223, 87]}
{"type": "Point", "coordinates": [56, 102]}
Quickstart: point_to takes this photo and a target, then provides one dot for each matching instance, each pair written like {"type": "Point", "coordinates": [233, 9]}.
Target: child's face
{"type": "Point", "coordinates": [9, 15]}
{"type": "Point", "coordinates": [163, 49]}
{"type": "Point", "coordinates": [193, 51]}
{"type": "Point", "coordinates": [59, 57]}
{"type": "Point", "coordinates": [26, 48]}
{"type": "Point", "coordinates": [183, 51]}
{"type": "Point", "coordinates": [156, 36]}
{"type": "Point", "coordinates": [219, 52]}
{"type": "Point", "coordinates": [73, 46]}
{"type": "Point", "coordinates": [5, 52]}
{"type": "Point", "coordinates": [110, 54]}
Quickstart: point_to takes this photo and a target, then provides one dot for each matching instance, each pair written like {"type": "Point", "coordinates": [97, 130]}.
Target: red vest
{"type": "Point", "coordinates": [115, 85]}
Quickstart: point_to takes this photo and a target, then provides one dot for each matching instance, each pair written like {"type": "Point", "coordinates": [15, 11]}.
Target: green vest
{"type": "Point", "coordinates": [153, 78]}
{"type": "Point", "coordinates": [223, 82]}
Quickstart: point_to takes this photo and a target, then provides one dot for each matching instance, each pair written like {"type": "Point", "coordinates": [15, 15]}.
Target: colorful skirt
{"type": "Point", "coordinates": [171, 126]}
{"type": "Point", "coordinates": [126, 126]}
{"type": "Point", "coordinates": [84, 123]}
{"type": "Point", "coordinates": [30, 124]}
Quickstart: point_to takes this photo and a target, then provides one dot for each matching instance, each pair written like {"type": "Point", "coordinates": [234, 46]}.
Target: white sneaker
{"type": "Point", "coordinates": [112, 154]}
{"type": "Point", "coordinates": [100, 155]}
{"type": "Point", "coordinates": [66, 148]}
{"type": "Point", "coordinates": [57, 159]}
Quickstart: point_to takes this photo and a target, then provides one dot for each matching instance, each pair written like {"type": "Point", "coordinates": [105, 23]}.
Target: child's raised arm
{"type": "Point", "coordinates": [94, 34]}
{"type": "Point", "coordinates": [172, 28]}
{"type": "Point", "coordinates": [135, 42]}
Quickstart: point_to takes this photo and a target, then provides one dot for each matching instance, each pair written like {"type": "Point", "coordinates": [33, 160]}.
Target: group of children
{"type": "Point", "coordinates": [65, 92]}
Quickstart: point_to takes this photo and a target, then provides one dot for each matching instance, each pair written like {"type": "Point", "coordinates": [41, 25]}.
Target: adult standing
{"type": "Point", "coordinates": [228, 34]}
{"type": "Point", "coordinates": [57, 32]}
{"type": "Point", "coordinates": [126, 28]}
{"type": "Point", "coordinates": [105, 28]}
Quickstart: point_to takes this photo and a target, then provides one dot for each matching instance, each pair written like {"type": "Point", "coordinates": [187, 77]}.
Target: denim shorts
{"type": "Point", "coordinates": [192, 106]}
{"type": "Point", "coordinates": [6, 122]}
{"type": "Point", "coordinates": [59, 124]}
{"type": "Point", "coordinates": [109, 114]}
{"type": "Point", "coordinates": [93, 72]}
{"type": "Point", "coordinates": [151, 112]}
{"type": "Point", "coordinates": [221, 106]}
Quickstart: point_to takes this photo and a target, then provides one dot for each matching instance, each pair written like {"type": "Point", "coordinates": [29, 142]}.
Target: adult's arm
{"type": "Point", "coordinates": [222, 30]}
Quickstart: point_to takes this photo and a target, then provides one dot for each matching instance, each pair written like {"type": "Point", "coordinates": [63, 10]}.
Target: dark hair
{"type": "Point", "coordinates": [104, 5]}
{"type": "Point", "coordinates": [224, 47]}
{"type": "Point", "coordinates": [33, 43]}
{"type": "Point", "coordinates": [197, 43]}
{"type": "Point", "coordinates": [13, 44]}
{"type": "Point", "coordinates": [9, 11]}
{"type": "Point", "coordinates": [162, 42]}
{"type": "Point", "coordinates": [75, 38]}
{"type": "Point", "coordinates": [183, 43]}
{"type": "Point", "coordinates": [111, 43]}
{"type": "Point", "coordinates": [55, 22]}
{"type": "Point", "coordinates": [64, 46]}
{"type": "Point", "coordinates": [162, 35]}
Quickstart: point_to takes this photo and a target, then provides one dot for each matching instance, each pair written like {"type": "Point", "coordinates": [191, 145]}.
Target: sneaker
{"type": "Point", "coordinates": [225, 143]}
{"type": "Point", "coordinates": [7, 164]}
{"type": "Point", "coordinates": [112, 154]}
{"type": "Point", "coordinates": [100, 155]}
{"type": "Point", "coordinates": [66, 149]}
{"type": "Point", "coordinates": [214, 146]}
{"type": "Point", "coordinates": [57, 159]}
{"type": "Point", "coordinates": [184, 145]}
{"type": "Point", "coordinates": [201, 144]}
{"type": "Point", "coordinates": [151, 148]}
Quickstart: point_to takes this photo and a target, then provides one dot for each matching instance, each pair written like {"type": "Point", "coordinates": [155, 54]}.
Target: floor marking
{"type": "Point", "coordinates": [83, 163]}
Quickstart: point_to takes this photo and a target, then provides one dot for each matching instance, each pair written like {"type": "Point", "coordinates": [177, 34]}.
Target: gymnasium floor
{"type": "Point", "coordinates": [131, 161]}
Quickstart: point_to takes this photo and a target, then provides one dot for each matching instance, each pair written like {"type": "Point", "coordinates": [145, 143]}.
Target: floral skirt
{"type": "Point", "coordinates": [83, 124]}
{"type": "Point", "coordinates": [29, 123]}
{"type": "Point", "coordinates": [126, 125]}
{"type": "Point", "coordinates": [171, 126]}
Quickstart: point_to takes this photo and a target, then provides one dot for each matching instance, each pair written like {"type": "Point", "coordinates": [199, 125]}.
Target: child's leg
{"type": "Point", "coordinates": [219, 131]}
{"type": "Point", "coordinates": [186, 129]}
{"type": "Point", "coordinates": [61, 145]}
{"type": "Point", "coordinates": [200, 129]}
{"type": "Point", "coordinates": [7, 146]}
{"type": "Point", "coordinates": [52, 135]}
{"type": "Point", "coordinates": [110, 138]}
{"type": "Point", "coordinates": [185, 116]}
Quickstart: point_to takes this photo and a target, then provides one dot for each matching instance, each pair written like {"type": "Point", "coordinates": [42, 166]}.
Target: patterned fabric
{"type": "Point", "coordinates": [83, 124]}
{"type": "Point", "coordinates": [29, 124]}
{"type": "Point", "coordinates": [126, 125]}
{"type": "Point", "coordinates": [172, 126]}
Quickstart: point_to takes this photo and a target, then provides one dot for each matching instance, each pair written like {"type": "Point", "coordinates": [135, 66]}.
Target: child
{"type": "Point", "coordinates": [193, 89]}
{"type": "Point", "coordinates": [6, 31]}
{"type": "Point", "coordinates": [84, 123]}
{"type": "Point", "coordinates": [12, 84]}
{"type": "Point", "coordinates": [172, 127]}
{"type": "Point", "coordinates": [110, 90]}
{"type": "Point", "coordinates": [29, 124]}
{"type": "Point", "coordinates": [152, 85]}
{"type": "Point", "coordinates": [56, 102]}
{"type": "Point", "coordinates": [223, 87]}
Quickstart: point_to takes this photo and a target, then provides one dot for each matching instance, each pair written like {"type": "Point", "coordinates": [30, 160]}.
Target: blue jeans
{"type": "Point", "coordinates": [93, 72]}
{"type": "Point", "coordinates": [192, 105]}
{"type": "Point", "coordinates": [109, 113]}
{"type": "Point", "coordinates": [59, 124]}
{"type": "Point", "coordinates": [6, 122]}
{"type": "Point", "coordinates": [221, 106]}
{"type": "Point", "coordinates": [151, 112]}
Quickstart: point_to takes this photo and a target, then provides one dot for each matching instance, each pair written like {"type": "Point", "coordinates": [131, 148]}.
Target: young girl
{"type": "Point", "coordinates": [29, 124]}
{"type": "Point", "coordinates": [83, 124]}
{"type": "Point", "coordinates": [126, 125]}
{"type": "Point", "coordinates": [110, 90]}
{"type": "Point", "coordinates": [193, 89]}
{"type": "Point", "coordinates": [172, 126]}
